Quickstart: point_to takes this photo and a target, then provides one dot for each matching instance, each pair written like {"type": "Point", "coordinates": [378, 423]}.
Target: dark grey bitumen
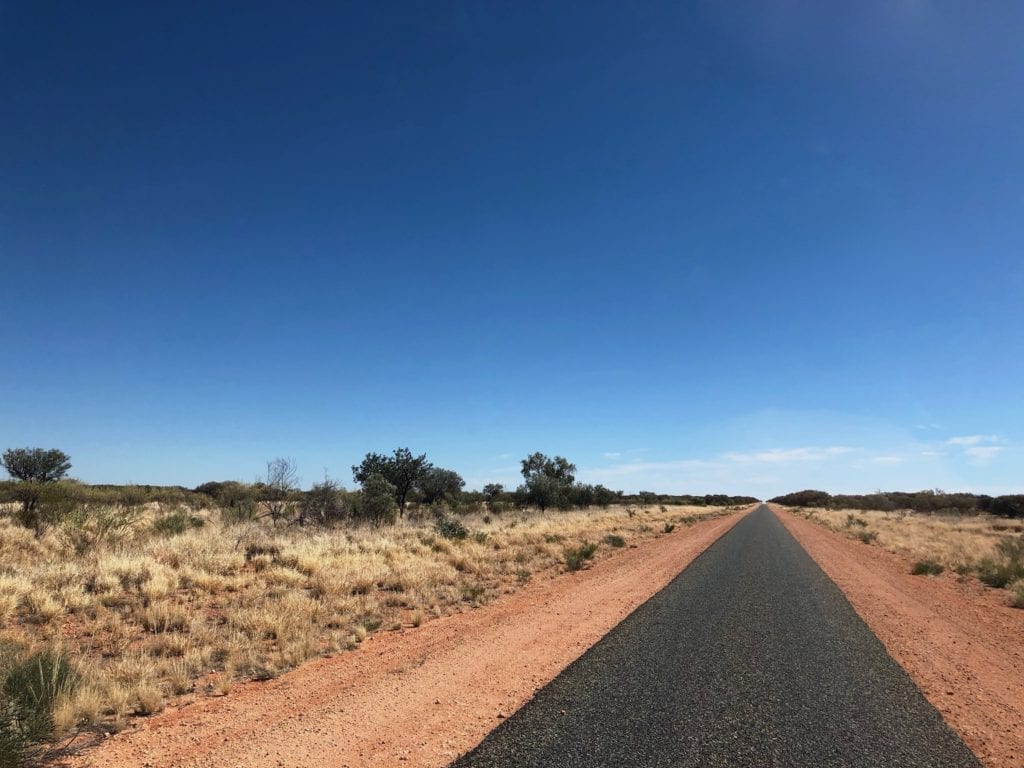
{"type": "Point", "coordinates": [750, 657]}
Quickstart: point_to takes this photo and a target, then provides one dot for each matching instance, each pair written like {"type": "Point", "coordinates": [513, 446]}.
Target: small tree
{"type": "Point", "coordinates": [282, 478]}
{"type": "Point", "coordinates": [542, 492]}
{"type": "Point", "coordinates": [36, 465]}
{"type": "Point", "coordinates": [323, 503]}
{"type": "Point", "coordinates": [402, 470]}
{"type": "Point", "coordinates": [558, 468]}
{"type": "Point", "coordinates": [34, 468]}
{"type": "Point", "coordinates": [492, 492]}
{"type": "Point", "coordinates": [439, 484]}
{"type": "Point", "coordinates": [1007, 506]}
{"type": "Point", "coordinates": [548, 481]}
{"type": "Point", "coordinates": [604, 497]}
{"type": "Point", "coordinates": [582, 495]}
{"type": "Point", "coordinates": [378, 503]}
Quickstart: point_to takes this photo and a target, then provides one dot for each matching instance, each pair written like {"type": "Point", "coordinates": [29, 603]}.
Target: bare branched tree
{"type": "Point", "coordinates": [282, 478]}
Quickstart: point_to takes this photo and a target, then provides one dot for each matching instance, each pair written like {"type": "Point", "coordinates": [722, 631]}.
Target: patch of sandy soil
{"type": "Point", "coordinates": [419, 697]}
{"type": "Point", "coordinates": [960, 642]}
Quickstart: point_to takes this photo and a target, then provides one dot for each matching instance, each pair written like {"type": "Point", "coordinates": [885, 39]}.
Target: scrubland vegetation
{"type": "Point", "coordinates": [928, 502]}
{"type": "Point", "coordinates": [984, 546]}
{"type": "Point", "coordinates": [125, 597]}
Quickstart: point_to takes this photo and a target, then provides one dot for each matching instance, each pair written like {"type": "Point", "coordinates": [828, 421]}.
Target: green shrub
{"type": "Point", "coordinates": [614, 541]}
{"type": "Point", "coordinates": [30, 687]}
{"type": "Point", "coordinates": [176, 522]}
{"type": "Point", "coordinates": [240, 510]}
{"type": "Point", "coordinates": [46, 504]}
{"type": "Point", "coordinates": [131, 498]}
{"type": "Point", "coordinates": [450, 528]}
{"type": "Point", "coordinates": [86, 527]}
{"type": "Point", "coordinates": [669, 527]}
{"type": "Point", "coordinates": [377, 500]}
{"type": "Point", "coordinates": [854, 521]}
{"type": "Point", "coordinates": [15, 747]}
{"type": "Point", "coordinates": [1017, 596]}
{"type": "Point", "coordinates": [324, 503]}
{"type": "Point", "coordinates": [1007, 567]}
{"type": "Point", "coordinates": [471, 593]}
{"type": "Point", "coordinates": [927, 568]}
{"type": "Point", "coordinates": [576, 557]}
{"type": "Point", "coordinates": [868, 537]}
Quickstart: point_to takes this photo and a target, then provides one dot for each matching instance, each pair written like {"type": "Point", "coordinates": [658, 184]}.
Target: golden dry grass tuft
{"type": "Point", "coordinates": [957, 543]}
{"type": "Point", "coordinates": [152, 617]}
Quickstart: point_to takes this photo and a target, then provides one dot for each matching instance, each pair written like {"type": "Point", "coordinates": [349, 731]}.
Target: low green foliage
{"type": "Point", "coordinates": [612, 540]}
{"type": "Point", "coordinates": [451, 528]}
{"type": "Point", "coordinates": [377, 501]}
{"type": "Point", "coordinates": [326, 502]}
{"type": "Point", "coordinates": [576, 557]}
{"type": "Point", "coordinates": [472, 593]}
{"type": "Point", "coordinates": [868, 537]}
{"type": "Point", "coordinates": [1008, 565]}
{"type": "Point", "coordinates": [86, 527]}
{"type": "Point", "coordinates": [30, 687]}
{"type": "Point", "coordinates": [669, 527]}
{"type": "Point", "coordinates": [1017, 594]}
{"type": "Point", "coordinates": [927, 568]}
{"type": "Point", "coordinates": [176, 522]}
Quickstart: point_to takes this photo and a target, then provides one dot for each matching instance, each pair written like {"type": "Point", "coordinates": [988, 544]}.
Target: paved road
{"type": "Point", "coordinates": [750, 657]}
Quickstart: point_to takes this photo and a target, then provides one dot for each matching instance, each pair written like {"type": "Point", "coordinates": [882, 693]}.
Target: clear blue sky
{"type": "Point", "coordinates": [747, 247]}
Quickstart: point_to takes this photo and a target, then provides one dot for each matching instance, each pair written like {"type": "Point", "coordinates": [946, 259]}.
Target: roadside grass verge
{"type": "Point", "coordinates": [988, 548]}
{"type": "Point", "coordinates": [183, 605]}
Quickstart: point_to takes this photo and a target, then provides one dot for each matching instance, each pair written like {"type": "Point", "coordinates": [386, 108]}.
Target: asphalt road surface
{"type": "Point", "coordinates": [750, 657]}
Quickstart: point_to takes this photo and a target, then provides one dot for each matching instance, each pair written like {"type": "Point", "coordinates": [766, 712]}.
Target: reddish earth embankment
{"type": "Point", "coordinates": [421, 696]}
{"type": "Point", "coordinates": [960, 642]}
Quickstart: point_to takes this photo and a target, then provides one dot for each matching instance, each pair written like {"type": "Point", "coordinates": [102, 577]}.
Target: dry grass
{"type": "Point", "coordinates": [151, 617]}
{"type": "Point", "coordinates": [958, 543]}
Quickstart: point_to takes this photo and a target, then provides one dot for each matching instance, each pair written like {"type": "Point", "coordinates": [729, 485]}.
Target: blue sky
{"type": "Point", "coordinates": [743, 247]}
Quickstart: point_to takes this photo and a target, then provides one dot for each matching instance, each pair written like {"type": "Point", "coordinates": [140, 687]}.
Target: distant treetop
{"type": "Point", "coordinates": [37, 465]}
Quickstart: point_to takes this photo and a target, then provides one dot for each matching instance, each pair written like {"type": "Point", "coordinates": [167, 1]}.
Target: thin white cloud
{"type": "Point", "coordinates": [635, 468]}
{"type": "Point", "coordinates": [965, 440]}
{"type": "Point", "coordinates": [611, 454]}
{"type": "Point", "coordinates": [888, 459]}
{"type": "Point", "coordinates": [983, 452]}
{"type": "Point", "coordinates": [978, 449]}
{"type": "Point", "coordinates": [788, 455]}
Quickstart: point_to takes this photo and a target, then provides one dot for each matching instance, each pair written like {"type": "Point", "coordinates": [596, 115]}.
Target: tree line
{"type": "Point", "coordinates": [927, 502]}
{"type": "Point", "coordinates": [389, 487]}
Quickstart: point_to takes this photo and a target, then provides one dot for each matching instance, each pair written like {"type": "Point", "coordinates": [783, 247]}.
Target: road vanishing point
{"type": "Point", "coordinates": [750, 657]}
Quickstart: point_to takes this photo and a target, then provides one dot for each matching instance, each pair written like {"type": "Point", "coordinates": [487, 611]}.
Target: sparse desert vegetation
{"type": "Point", "coordinates": [984, 546]}
{"type": "Point", "coordinates": [150, 595]}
